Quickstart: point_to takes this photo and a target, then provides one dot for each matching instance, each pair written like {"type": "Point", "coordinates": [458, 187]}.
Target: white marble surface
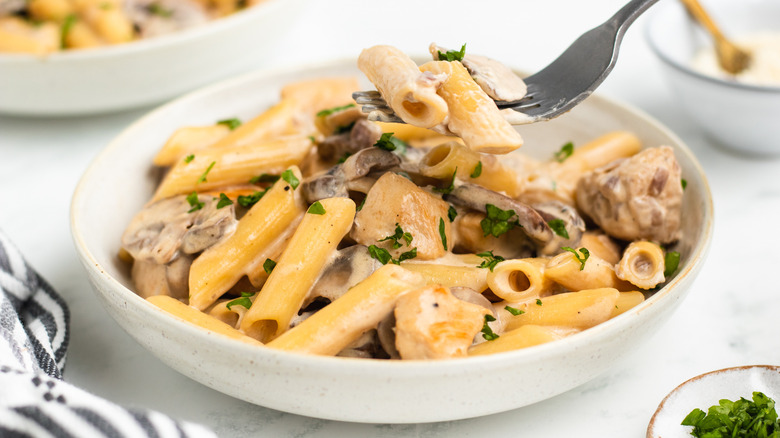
{"type": "Point", "coordinates": [728, 319]}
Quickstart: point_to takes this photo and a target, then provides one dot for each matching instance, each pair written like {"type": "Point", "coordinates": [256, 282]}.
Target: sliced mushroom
{"type": "Point", "coordinates": [496, 80]}
{"type": "Point", "coordinates": [572, 221]}
{"type": "Point", "coordinates": [335, 182]}
{"type": "Point", "coordinates": [635, 198]}
{"type": "Point", "coordinates": [151, 278]}
{"type": "Point", "coordinates": [158, 17]}
{"type": "Point", "coordinates": [532, 223]}
{"type": "Point", "coordinates": [364, 347]}
{"type": "Point", "coordinates": [363, 135]}
{"type": "Point", "coordinates": [347, 268]}
{"type": "Point", "coordinates": [167, 227]}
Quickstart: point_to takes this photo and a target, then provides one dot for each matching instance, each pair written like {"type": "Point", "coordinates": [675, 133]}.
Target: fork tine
{"type": "Point", "coordinates": [381, 116]}
{"type": "Point", "coordinates": [367, 97]}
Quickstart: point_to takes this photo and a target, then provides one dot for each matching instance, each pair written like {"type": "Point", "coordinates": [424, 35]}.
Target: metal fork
{"type": "Point", "coordinates": [561, 85]}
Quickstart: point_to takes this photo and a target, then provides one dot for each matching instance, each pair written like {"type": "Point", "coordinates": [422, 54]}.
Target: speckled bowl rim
{"type": "Point", "coordinates": [651, 426]}
{"type": "Point", "coordinates": [659, 51]}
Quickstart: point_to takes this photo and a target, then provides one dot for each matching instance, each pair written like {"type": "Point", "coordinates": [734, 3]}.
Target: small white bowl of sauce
{"type": "Point", "coordinates": [740, 112]}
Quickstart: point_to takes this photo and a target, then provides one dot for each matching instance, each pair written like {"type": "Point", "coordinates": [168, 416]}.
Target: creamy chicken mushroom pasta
{"type": "Point", "coordinates": [43, 26]}
{"type": "Point", "coordinates": [312, 229]}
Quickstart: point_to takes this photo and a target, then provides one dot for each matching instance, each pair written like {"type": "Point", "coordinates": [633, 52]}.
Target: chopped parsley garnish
{"type": "Point", "coordinates": [453, 55]}
{"type": "Point", "coordinates": [248, 201]}
{"type": "Point", "coordinates": [202, 178]}
{"type": "Point", "coordinates": [230, 123]}
{"type": "Point", "coordinates": [497, 221]}
{"type": "Point", "coordinates": [565, 152]}
{"type": "Point", "coordinates": [344, 157]}
{"type": "Point", "coordinates": [580, 258]}
{"type": "Point", "coordinates": [487, 332]}
{"type": "Point", "coordinates": [442, 234]}
{"type": "Point", "coordinates": [671, 262]}
{"type": "Point", "coordinates": [399, 235]}
{"type": "Point", "coordinates": [477, 170]}
{"type": "Point", "coordinates": [313, 140]}
{"type": "Point", "coordinates": [188, 159]}
{"type": "Point", "coordinates": [490, 261]}
{"type": "Point", "coordinates": [244, 301]}
{"type": "Point", "coordinates": [384, 256]}
{"type": "Point", "coordinates": [513, 311]}
{"type": "Point", "coordinates": [194, 202]}
{"type": "Point", "coordinates": [290, 177]}
{"type": "Point", "coordinates": [742, 418]}
{"type": "Point", "coordinates": [452, 213]}
{"type": "Point", "coordinates": [389, 143]}
{"type": "Point", "coordinates": [538, 302]}
{"type": "Point", "coordinates": [362, 203]}
{"type": "Point", "coordinates": [264, 178]}
{"type": "Point", "coordinates": [157, 9]}
{"type": "Point", "coordinates": [67, 25]}
{"type": "Point", "coordinates": [224, 201]}
{"type": "Point", "coordinates": [447, 190]}
{"type": "Point", "coordinates": [684, 183]}
{"type": "Point", "coordinates": [329, 111]}
{"type": "Point", "coordinates": [559, 227]}
{"type": "Point", "coordinates": [268, 266]}
{"type": "Point", "coordinates": [316, 208]}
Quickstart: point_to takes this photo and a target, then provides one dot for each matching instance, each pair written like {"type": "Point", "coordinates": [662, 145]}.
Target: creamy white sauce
{"type": "Point", "coordinates": [764, 68]}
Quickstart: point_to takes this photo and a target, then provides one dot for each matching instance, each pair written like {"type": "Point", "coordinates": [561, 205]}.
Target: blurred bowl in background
{"type": "Point", "coordinates": [740, 116]}
{"type": "Point", "coordinates": [142, 72]}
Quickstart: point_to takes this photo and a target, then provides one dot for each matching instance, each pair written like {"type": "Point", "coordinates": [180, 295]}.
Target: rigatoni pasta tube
{"type": "Point", "coordinates": [297, 269]}
{"type": "Point", "coordinates": [581, 310]}
{"type": "Point", "coordinates": [187, 313]}
{"type": "Point", "coordinates": [443, 160]}
{"type": "Point", "coordinates": [473, 116]}
{"type": "Point", "coordinates": [212, 168]}
{"type": "Point", "coordinates": [567, 271]}
{"type": "Point", "coordinates": [520, 279]}
{"type": "Point", "coordinates": [522, 337]}
{"type": "Point", "coordinates": [451, 276]}
{"type": "Point", "coordinates": [219, 267]}
{"type": "Point", "coordinates": [411, 94]}
{"type": "Point", "coordinates": [642, 265]}
{"type": "Point", "coordinates": [341, 322]}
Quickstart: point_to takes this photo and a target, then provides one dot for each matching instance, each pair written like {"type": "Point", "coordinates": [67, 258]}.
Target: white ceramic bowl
{"type": "Point", "coordinates": [739, 116]}
{"type": "Point", "coordinates": [142, 72]}
{"type": "Point", "coordinates": [708, 389]}
{"type": "Point", "coordinates": [118, 183]}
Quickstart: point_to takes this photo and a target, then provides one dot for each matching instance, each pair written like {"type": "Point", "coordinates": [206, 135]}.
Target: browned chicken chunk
{"type": "Point", "coordinates": [432, 324]}
{"type": "Point", "coordinates": [394, 200]}
{"type": "Point", "coordinates": [635, 198]}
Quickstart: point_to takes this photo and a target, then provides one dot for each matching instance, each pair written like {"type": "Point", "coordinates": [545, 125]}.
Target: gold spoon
{"type": "Point", "coordinates": [730, 57]}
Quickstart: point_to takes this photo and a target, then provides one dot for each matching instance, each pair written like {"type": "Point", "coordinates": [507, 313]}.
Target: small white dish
{"type": "Point", "coordinates": [143, 72]}
{"type": "Point", "coordinates": [706, 390]}
{"type": "Point", "coordinates": [119, 182]}
{"type": "Point", "coordinates": [739, 116]}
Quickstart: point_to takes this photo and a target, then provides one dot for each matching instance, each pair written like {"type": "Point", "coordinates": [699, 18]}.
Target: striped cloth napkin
{"type": "Point", "coordinates": [34, 400]}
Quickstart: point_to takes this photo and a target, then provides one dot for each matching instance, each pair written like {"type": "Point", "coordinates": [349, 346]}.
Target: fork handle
{"type": "Point", "coordinates": [627, 14]}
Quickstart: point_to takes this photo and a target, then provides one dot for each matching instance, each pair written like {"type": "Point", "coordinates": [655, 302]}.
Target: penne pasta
{"type": "Point", "coordinates": [451, 276]}
{"type": "Point", "coordinates": [411, 94]}
{"type": "Point", "coordinates": [193, 316]}
{"type": "Point", "coordinates": [314, 95]}
{"type": "Point", "coordinates": [213, 168]}
{"type": "Point", "coordinates": [522, 337]}
{"type": "Point", "coordinates": [642, 265]}
{"type": "Point", "coordinates": [218, 268]}
{"type": "Point", "coordinates": [517, 280]}
{"type": "Point", "coordinates": [297, 269]}
{"type": "Point", "coordinates": [580, 310]}
{"type": "Point", "coordinates": [341, 322]}
{"type": "Point", "coordinates": [188, 140]}
{"type": "Point", "coordinates": [627, 301]}
{"type": "Point", "coordinates": [569, 272]}
{"type": "Point", "coordinates": [473, 116]}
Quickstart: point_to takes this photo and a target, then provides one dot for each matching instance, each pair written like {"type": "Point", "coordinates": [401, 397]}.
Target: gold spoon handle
{"type": "Point", "coordinates": [698, 12]}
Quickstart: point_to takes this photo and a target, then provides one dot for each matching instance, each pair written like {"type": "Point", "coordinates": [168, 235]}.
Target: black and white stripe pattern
{"type": "Point", "coordinates": [34, 401]}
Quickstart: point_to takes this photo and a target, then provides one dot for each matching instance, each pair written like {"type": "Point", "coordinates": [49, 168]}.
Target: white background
{"type": "Point", "coordinates": [730, 317]}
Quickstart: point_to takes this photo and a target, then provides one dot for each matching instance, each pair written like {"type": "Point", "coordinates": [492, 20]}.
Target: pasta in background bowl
{"type": "Point", "coordinates": [144, 71]}
{"type": "Point", "coordinates": [338, 388]}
